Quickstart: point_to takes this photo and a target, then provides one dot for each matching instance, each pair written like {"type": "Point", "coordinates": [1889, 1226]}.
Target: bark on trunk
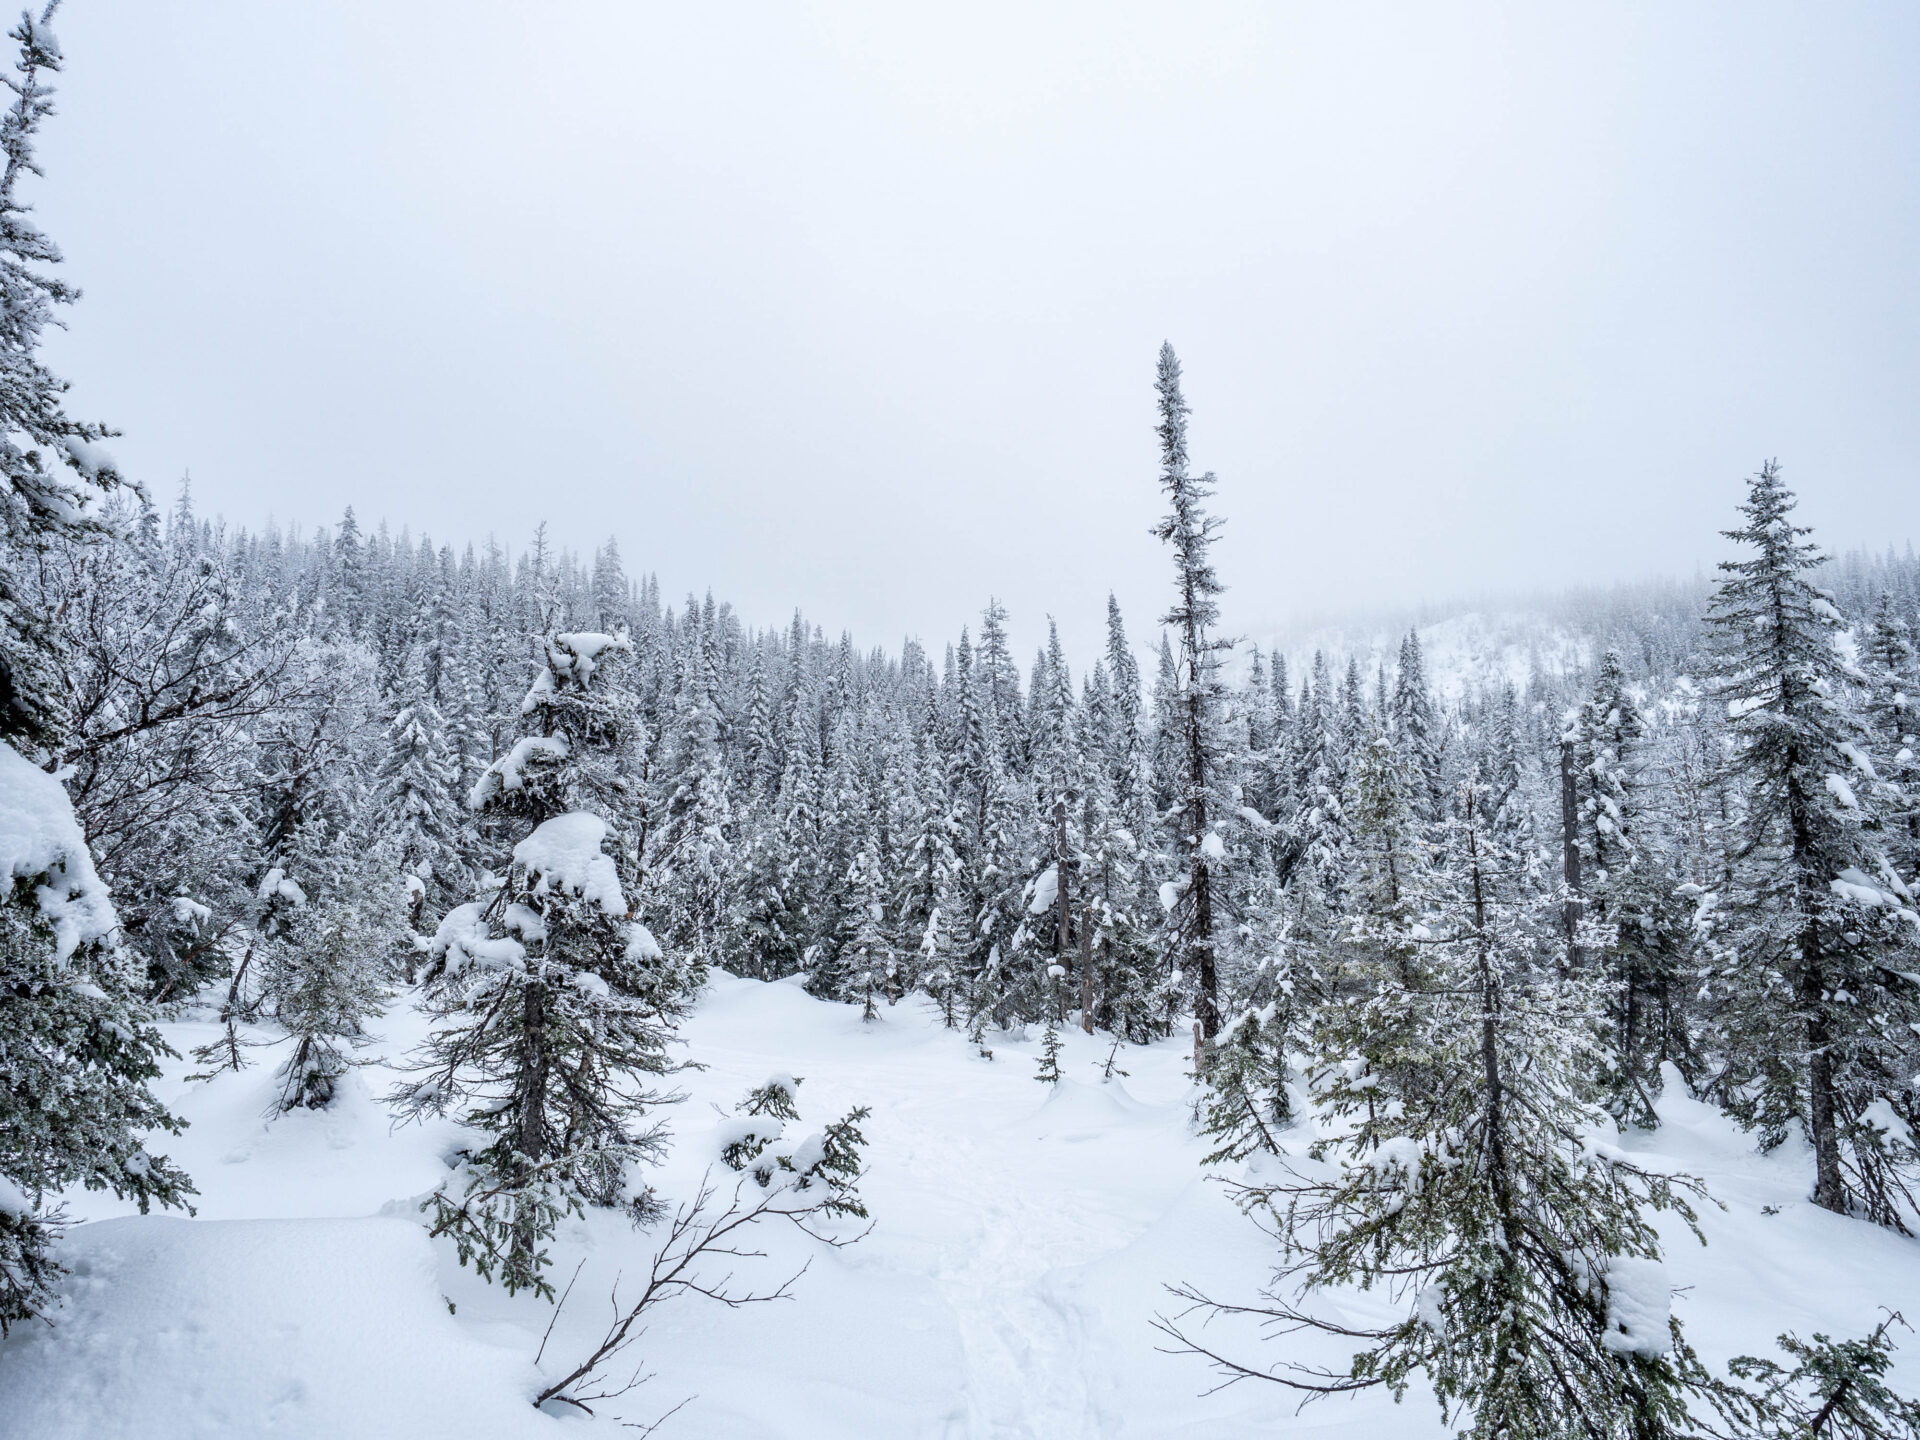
{"type": "Point", "coordinates": [1200, 891]}
{"type": "Point", "coordinates": [1062, 902]}
{"type": "Point", "coordinates": [1829, 1187]}
{"type": "Point", "coordinates": [1086, 968]}
{"type": "Point", "coordinates": [531, 1133]}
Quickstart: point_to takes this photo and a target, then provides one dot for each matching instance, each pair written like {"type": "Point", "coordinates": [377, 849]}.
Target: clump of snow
{"type": "Point", "coordinates": [13, 1200]}
{"type": "Point", "coordinates": [732, 1136]}
{"type": "Point", "coordinates": [189, 911]}
{"type": "Point", "coordinates": [1860, 760]}
{"type": "Point", "coordinates": [1046, 890]}
{"type": "Point", "coordinates": [1427, 1306]}
{"type": "Point", "coordinates": [1213, 847]}
{"type": "Point", "coordinates": [465, 939]}
{"type": "Point", "coordinates": [641, 946]}
{"type": "Point", "coordinates": [1639, 1306]}
{"type": "Point", "coordinates": [526, 922]}
{"type": "Point", "coordinates": [275, 883]}
{"type": "Point", "coordinates": [41, 843]}
{"type": "Point", "coordinates": [564, 854]}
{"type": "Point", "coordinates": [1841, 791]}
{"type": "Point", "coordinates": [807, 1155]}
{"type": "Point", "coordinates": [89, 459]}
{"type": "Point", "coordinates": [578, 652]}
{"type": "Point", "coordinates": [1863, 889]}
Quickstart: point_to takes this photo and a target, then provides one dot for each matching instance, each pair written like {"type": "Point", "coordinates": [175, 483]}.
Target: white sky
{"type": "Point", "coordinates": [855, 307]}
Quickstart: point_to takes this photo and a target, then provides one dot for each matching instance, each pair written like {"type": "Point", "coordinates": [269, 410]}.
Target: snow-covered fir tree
{"type": "Point", "coordinates": [330, 967]}
{"type": "Point", "coordinates": [416, 804]}
{"type": "Point", "coordinates": [78, 1046]}
{"type": "Point", "coordinates": [1522, 1261]}
{"type": "Point", "coordinates": [1198, 810]}
{"type": "Point", "coordinates": [553, 1003]}
{"type": "Point", "coordinates": [1820, 1007]}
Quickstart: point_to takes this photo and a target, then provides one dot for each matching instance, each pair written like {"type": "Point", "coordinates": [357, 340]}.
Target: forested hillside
{"type": "Point", "coordinates": [1440, 948]}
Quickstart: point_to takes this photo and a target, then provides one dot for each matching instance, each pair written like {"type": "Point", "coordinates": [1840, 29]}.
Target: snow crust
{"type": "Point", "coordinates": [41, 842]}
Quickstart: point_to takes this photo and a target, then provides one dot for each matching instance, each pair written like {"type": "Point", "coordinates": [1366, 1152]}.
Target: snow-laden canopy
{"type": "Point", "coordinates": [509, 772]}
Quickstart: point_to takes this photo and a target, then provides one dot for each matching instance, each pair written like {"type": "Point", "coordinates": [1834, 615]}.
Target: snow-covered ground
{"type": "Point", "coordinates": [1022, 1236]}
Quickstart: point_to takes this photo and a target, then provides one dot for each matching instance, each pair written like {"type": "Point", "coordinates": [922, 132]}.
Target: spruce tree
{"type": "Point", "coordinates": [1821, 1003]}
{"type": "Point", "coordinates": [871, 965]}
{"type": "Point", "coordinates": [1418, 729]}
{"type": "Point", "coordinates": [1892, 717]}
{"type": "Point", "coordinates": [1247, 1105]}
{"type": "Point", "coordinates": [1521, 1259]}
{"type": "Point", "coordinates": [553, 1003]}
{"type": "Point", "coordinates": [1642, 923]}
{"type": "Point", "coordinates": [1192, 929]}
{"type": "Point", "coordinates": [694, 865]}
{"type": "Point", "coordinates": [78, 1047]}
{"type": "Point", "coordinates": [414, 797]}
{"type": "Point", "coordinates": [56, 478]}
{"type": "Point", "coordinates": [328, 968]}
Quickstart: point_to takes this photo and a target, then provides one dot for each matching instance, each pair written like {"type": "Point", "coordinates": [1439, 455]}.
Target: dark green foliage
{"type": "Point", "coordinates": [78, 1050]}
{"type": "Point", "coordinates": [1834, 1390]}
{"type": "Point", "coordinates": [1521, 1257]}
{"type": "Point", "coordinates": [1818, 1004]}
{"type": "Point", "coordinates": [1048, 1071]}
{"type": "Point", "coordinates": [1247, 1104]}
{"type": "Point", "coordinates": [822, 1172]}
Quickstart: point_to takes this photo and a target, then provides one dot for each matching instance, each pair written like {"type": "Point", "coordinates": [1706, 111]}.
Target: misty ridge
{"type": "Point", "coordinates": [452, 985]}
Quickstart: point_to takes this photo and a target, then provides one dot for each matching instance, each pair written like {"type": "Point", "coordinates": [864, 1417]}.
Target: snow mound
{"type": "Point", "coordinates": [243, 1328]}
{"type": "Point", "coordinates": [564, 854]}
{"type": "Point", "coordinates": [40, 842]}
{"type": "Point", "coordinates": [1077, 1111]}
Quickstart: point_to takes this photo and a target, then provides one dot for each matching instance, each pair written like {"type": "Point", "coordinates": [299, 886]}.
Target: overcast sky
{"type": "Point", "coordinates": [855, 307]}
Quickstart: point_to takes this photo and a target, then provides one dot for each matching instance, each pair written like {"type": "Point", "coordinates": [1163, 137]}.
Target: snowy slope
{"type": "Point", "coordinates": [1466, 652]}
{"type": "Point", "coordinates": [1022, 1236]}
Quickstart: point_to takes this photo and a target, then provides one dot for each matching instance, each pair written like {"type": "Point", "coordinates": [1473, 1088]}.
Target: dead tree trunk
{"type": "Point", "coordinates": [1575, 906]}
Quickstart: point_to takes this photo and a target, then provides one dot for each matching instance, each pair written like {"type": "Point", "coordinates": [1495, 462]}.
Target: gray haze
{"type": "Point", "coordinates": [856, 307]}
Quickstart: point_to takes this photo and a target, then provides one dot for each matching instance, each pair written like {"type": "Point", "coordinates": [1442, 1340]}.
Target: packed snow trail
{"type": "Point", "coordinates": [1022, 1236]}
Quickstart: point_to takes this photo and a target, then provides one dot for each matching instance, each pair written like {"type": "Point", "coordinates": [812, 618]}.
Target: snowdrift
{"type": "Point", "coordinates": [1023, 1236]}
